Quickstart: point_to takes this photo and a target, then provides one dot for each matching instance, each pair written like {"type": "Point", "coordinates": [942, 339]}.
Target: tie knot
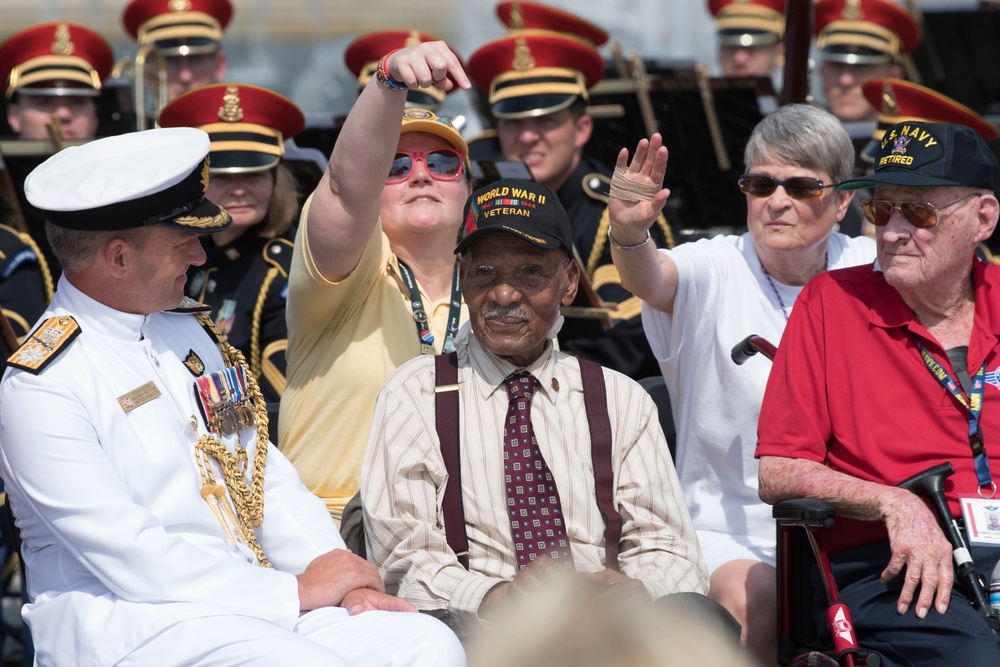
{"type": "Point", "coordinates": [520, 385]}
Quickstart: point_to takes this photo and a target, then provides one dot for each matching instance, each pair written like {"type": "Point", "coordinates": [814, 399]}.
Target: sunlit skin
{"type": "Point", "coordinates": [781, 225]}
{"type": "Point", "coordinates": [842, 88]}
{"type": "Point", "coordinates": [29, 116]}
{"type": "Point", "coordinates": [550, 145]}
{"type": "Point", "coordinates": [245, 196]}
{"type": "Point", "coordinates": [422, 204]}
{"type": "Point", "coordinates": [160, 268]}
{"type": "Point", "coordinates": [514, 290]}
{"type": "Point", "coordinates": [187, 72]}
{"type": "Point", "coordinates": [753, 60]}
{"type": "Point", "coordinates": [912, 257]}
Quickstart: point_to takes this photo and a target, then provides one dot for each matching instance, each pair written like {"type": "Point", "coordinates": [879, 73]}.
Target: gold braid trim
{"type": "Point", "coordinates": [43, 265]}
{"type": "Point", "coordinates": [248, 499]}
{"type": "Point", "coordinates": [258, 312]}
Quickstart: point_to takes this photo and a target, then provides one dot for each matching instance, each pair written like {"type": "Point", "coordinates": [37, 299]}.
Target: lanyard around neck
{"type": "Point", "coordinates": [420, 315]}
{"type": "Point", "coordinates": [973, 406]}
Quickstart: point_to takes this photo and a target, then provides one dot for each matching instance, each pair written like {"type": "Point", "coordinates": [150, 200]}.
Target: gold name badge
{"type": "Point", "coordinates": [139, 396]}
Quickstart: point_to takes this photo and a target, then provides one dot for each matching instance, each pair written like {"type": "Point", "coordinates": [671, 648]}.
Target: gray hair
{"type": "Point", "coordinates": [802, 135]}
{"type": "Point", "coordinates": [76, 248]}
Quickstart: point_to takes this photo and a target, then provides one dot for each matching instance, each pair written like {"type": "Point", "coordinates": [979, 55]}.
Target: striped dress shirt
{"type": "Point", "coordinates": [403, 480]}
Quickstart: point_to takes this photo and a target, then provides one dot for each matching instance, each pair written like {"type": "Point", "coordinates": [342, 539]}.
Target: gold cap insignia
{"type": "Point", "coordinates": [413, 38]}
{"type": "Point", "coordinates": [230, 111]}
{"type": "Point", "coordinates": [179, 5]}
{"type": "Point", "coordinates": [889, 103]}
{"type": "Point", "coordinates": [852, 10]}
{"type": "Point", "coordinates": [516, 17]}
{"type": "Point", "coordinates": [523, 60]}
{"type": "Point", "coordinates": [62, 45]}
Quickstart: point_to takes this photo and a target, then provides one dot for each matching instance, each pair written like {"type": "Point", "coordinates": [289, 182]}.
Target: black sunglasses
{"type": "Point", "coordinates": [919, 213]}
{"type": "Point", "coordinates": [797, 187]}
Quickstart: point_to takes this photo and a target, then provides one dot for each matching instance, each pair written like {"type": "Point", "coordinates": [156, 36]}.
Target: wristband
{"type": "Point", "coordinates": [628, 247]}
{"type": "Point", "coordinates": [383, 76]}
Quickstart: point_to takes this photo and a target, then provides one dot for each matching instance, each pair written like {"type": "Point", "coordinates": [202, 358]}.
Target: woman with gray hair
{"type": "Point", "coordinates": [702, 298]}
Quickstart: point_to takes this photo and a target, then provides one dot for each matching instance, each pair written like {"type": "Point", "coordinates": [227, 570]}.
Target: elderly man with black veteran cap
{"type": "Point", "coordinates": [374, 281]}
{"type": "Point", "coordinates": [577, 477]}
{"type": "Point", "coordinates": [186, 33]}
{"type": "Point", "coordinates": [135, 452]}
{"type": "Point", "coordinates": [860, 40]}
{"type": "Point", "coordinates": [886, 370]}
{"type": "Point", "coordinates": [538, 77]}
{"type": "Point", "coordinates": [749, 35]}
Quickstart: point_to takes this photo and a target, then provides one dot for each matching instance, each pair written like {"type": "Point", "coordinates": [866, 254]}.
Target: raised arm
{"type": "Point", "coordinates": [345, 207]}
{"type": "Point", "coordinates": [650, 275]}
{"type": "Point", "coordinates": [914, 536]}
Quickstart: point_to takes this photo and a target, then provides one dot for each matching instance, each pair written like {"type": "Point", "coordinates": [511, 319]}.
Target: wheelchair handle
{"type": "Point", "coordinates": [750, 346]}
{"type": "Point", "coordinates": [930, 483]}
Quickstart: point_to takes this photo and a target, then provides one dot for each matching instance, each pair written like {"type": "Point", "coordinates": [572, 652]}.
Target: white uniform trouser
{"type": "Point", "coordinates": [327, 636]}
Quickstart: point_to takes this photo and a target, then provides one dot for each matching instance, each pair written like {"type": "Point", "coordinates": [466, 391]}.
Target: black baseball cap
{"type": "Point", "coordinates": [525, 209]}
{"type": "Point", "coordinates": [927, 155]}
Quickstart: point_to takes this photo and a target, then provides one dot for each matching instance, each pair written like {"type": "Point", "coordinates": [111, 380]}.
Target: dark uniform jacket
{"type": "Point", "coordinates": [623, 346]}
{"type": "Point", "coordinates": [246, 284]}
{"type": "Point", "coordinates": [26, 284]}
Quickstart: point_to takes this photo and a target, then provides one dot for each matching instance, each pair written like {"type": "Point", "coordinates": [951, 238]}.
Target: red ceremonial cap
{"type": "Point", "coordinates": [363, 54]}
{"type": "Point", "coordinates": [533, 74]}
{"type": "Point", "coordinates": [864, 31]}
{"type": "Point", "coordinates": [898, 101]}
{"type": "Point", "coordinates": [748, 22]}
{"type": "Point", "coordinates": [178, 27]}
{"type": "Point", "coordinates": [532, 16]}
{"type": "Point", "coordinates": [55, 58]}
{"type": "Point", "coordinates": [248, 125]}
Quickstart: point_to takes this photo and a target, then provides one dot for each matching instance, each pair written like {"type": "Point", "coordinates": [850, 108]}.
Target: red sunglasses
{"type": "Point", "coordinates": [443, 164]}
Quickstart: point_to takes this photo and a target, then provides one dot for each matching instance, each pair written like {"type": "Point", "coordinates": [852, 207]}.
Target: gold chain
{"type": "Point", "coordinates": [248, 499]}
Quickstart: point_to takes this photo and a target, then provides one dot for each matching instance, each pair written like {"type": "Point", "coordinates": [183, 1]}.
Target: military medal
{"type": "Point", "coordinates": [224, 400]}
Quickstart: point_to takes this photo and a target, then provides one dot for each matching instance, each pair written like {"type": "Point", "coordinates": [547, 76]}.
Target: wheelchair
{"type": "Point", "coordinates": [800, 524]}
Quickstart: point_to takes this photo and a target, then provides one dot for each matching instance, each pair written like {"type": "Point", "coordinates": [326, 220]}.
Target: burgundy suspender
{"type": "Point", "coordinates": [446, 414]}
{"type": "Point", "coordinates": [596, 401]}
{"type": "Point", "coordinates": [446, 419]}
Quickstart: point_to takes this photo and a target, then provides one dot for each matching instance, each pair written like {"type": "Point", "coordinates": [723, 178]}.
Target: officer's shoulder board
{"type": "Point", "coordinates": [278, 253]}
{"type": "Point", "coordinates": [44, 344]}
{"type": "Point", "coordinates": [204, 313]}
{"type": "Point", "coordinates": [597, 186]}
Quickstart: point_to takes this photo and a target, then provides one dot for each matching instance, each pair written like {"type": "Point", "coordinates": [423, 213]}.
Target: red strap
{"type": "Point", "coordinates": [446, 420]}
{"type": "Point", "coordinates": [596, 401]}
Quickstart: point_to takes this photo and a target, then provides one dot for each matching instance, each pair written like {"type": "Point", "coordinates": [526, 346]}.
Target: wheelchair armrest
{"type": "Point", "coordinates": [804, 512]}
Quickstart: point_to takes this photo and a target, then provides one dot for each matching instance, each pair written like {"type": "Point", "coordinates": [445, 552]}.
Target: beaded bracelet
{"type": "Point", "coordinates": [383, 76]}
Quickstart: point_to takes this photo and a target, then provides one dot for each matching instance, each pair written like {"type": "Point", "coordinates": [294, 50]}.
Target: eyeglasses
{"type": "Point", "coordinates": [443, 164]}
{"type": "Point", "coordinates": [797, 187]}
{"type": "Point", "coordinates": [919, 213]}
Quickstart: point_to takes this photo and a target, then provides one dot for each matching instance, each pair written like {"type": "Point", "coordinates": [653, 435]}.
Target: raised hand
{"type": "Point", "coordinates": [632, 214]}
{"type": "Point", "coordinates": [428, 64]}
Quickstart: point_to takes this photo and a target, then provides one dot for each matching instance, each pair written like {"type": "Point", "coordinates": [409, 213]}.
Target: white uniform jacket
{"type": "Point", "coordinates": [118, 541]}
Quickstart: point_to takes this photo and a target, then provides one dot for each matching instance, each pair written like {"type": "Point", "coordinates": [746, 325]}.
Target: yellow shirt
{"type": "Point", "coordinates": [344, 339]}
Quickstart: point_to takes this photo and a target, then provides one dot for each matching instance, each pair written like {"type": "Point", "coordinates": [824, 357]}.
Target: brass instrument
{"type": "Point", "coordinates": [148, 73]}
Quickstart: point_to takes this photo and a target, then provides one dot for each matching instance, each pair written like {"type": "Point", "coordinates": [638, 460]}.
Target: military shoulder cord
{"type": "Point", "coordinates": [249, 501]}
{"type": "Point", "coordinates": [255, 325]}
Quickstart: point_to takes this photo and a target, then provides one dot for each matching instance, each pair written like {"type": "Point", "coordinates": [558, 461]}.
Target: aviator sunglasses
{"type": "Point", "coordinates": [797, 187]}
{"type": "Point", "coordinates": [919, 213]}
{"type": "Point", "coordinates": [443, 164]}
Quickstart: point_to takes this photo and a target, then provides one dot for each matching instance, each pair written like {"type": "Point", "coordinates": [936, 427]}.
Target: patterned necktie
{"type": "Point", "coordinates": [536, 518]}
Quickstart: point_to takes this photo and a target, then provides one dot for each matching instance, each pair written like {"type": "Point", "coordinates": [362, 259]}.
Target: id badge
{"type": "Point", "coordinates": [982, 520]}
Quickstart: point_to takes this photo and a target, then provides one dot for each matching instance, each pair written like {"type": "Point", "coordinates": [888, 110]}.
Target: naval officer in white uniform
{"type": "Point", "coordinates": [160, 527]}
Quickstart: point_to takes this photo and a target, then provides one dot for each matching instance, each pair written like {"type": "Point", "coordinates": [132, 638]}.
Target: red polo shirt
{"type": "Point", "coordinates": [849, 388]}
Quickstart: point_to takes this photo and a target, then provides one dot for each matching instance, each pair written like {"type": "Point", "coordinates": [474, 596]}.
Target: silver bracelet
{"type": "Point", "coordinates": [628, 247]}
